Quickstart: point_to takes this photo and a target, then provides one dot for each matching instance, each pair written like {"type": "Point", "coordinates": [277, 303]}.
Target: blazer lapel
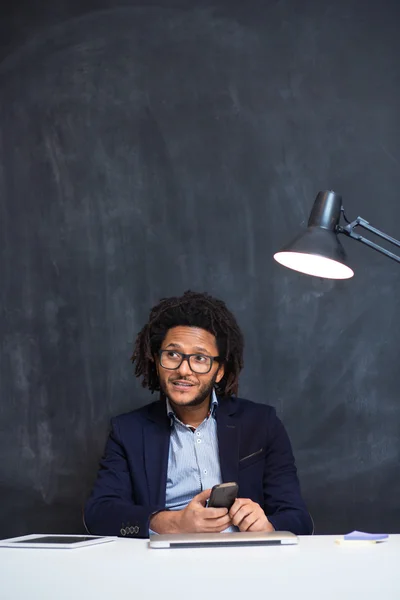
{"type": "Point", "coordinates": [228, 429]}
{"type": "Point", "coordinates": [156, 449]}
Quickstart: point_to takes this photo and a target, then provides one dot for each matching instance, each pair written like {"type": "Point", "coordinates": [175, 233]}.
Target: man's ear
{"type": "Point", "coordinates": [220, 373]}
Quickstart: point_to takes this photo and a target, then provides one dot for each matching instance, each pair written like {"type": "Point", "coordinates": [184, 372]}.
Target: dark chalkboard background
{"type": "Point", "coordinates": [148, 149]}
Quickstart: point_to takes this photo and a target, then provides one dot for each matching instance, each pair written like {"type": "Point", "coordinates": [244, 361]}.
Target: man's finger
{"type": "Point", "coordinates": [241, 514]}
{"type": "Point", "coordinates": [202, 497]}
{"type": "Point", "coordinates": [257, 525]}
{"type": "Point", "coordinates": [248, 522]}
{"type": "Point", "coordinates": [215, 513]}
{"type": "Point", "coordinates": [218, 525]}
{"type": "Point", "coordinates": [237, 505]}
{"type": "Point", "coordinates": [224, 521]}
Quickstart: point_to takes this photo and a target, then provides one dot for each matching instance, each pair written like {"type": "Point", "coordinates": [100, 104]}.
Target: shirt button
{"type": "Point", "coordinates": [198, 433]}
{"type": "Point", "coordinates": [205, 471]}
{"type": "Point", "coordinates": [198, 440]}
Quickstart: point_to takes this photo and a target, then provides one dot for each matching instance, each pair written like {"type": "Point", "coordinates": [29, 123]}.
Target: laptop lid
{"type": "Point", "coordinates": [237, 538]}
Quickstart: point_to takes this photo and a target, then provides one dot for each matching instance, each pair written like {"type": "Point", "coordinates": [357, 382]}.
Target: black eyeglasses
{"type": "Point", "coordinates": [198, 363]}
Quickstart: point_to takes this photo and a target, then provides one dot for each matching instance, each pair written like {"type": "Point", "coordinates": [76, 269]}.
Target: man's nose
{"type": "Point", "coordinates": [184, 369]}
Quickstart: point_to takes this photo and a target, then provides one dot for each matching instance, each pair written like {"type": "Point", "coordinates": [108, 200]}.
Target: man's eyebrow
{"type": "Point", "coordinates": [200, 349]}
{"type": "Point", "coordinates": [197, 348]}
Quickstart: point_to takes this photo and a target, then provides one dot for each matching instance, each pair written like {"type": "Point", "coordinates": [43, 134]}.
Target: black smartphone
{"type": "Point", "coordinates": [223, 495]}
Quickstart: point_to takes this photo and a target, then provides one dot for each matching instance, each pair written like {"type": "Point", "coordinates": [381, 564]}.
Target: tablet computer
{"type": "Point", "coordinates": [54, 540]}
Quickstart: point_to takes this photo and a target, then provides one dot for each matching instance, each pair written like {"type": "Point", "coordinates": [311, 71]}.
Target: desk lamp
{"type": "Point", "coordinates": [318, 251]}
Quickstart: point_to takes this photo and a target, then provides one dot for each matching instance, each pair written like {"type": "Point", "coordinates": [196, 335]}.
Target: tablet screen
{"type": "Point", "coordinates": [60, 539]}
{"type": "Point", "coordinates": [55, 541]}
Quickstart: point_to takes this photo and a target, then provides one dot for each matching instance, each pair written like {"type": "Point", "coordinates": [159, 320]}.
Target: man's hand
{"type": "Point", "coordinates": [249, 516]}
{"type": "Point", "coordinates": [195, 518]}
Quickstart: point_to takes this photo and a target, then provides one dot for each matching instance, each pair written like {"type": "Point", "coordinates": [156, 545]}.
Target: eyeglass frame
{"type": "Point", "coordinates": [187, 358]}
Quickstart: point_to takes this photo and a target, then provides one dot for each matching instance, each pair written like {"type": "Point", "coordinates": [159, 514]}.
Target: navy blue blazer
{"type": "Point", "coordinates": [254, 450]}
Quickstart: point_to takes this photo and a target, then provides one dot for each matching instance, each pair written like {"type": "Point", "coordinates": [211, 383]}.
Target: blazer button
{"type": "Point", "coordinates": [136, 529]}
{"type": "Point", "coordinates": [131, 530]}
{"type": "Point", "coordinates": [122, 531]}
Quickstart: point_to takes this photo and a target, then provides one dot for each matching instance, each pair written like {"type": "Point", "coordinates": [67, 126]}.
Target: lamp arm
{"type": "Point", "coordinates": [360, 222]}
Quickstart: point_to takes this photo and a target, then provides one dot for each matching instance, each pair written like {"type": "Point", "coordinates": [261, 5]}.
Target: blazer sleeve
{"type": "Point", "coordinates": [284, 505]}
{"type": "Point", "coordinates": [111, 509]}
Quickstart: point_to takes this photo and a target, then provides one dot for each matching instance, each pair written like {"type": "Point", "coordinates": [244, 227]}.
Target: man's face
{"type": "Point", "coordinates": [183, 386]}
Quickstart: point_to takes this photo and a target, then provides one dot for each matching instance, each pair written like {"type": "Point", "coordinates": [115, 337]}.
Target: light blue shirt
{"type": "Point", "coordinates": [193, 459]}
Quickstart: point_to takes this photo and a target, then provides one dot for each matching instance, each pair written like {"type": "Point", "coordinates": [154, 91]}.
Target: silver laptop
{"type": "Point", "coordinates": [237, 538]}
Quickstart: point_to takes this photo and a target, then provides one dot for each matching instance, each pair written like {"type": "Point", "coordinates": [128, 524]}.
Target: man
{"type": "Point", "coordinates": [162, 460]}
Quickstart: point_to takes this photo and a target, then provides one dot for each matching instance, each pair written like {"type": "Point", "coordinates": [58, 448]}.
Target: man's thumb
{"type": "Point", "coordinates": [203, 497]}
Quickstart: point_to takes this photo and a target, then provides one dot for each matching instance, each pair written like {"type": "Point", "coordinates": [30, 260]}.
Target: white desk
{"type": "Point", "coordinates": [315, 569]}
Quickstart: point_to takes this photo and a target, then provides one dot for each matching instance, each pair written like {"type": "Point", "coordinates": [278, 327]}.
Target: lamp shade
{"type": "Point", "coordinates": [318, 250]}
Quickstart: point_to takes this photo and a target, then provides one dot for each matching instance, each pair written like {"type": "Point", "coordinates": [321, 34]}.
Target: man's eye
{"type": "Point", "coordinates": [200, 358]}
{"type": "Point", "coordinates": [172, 354]}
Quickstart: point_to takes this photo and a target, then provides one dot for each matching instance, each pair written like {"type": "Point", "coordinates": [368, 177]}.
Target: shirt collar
{"type": "Point", "coordinates": [213, 407]}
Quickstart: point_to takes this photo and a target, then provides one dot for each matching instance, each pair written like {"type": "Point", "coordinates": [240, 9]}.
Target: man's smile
{"type": "Point", "coordinates": [182, 385]}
